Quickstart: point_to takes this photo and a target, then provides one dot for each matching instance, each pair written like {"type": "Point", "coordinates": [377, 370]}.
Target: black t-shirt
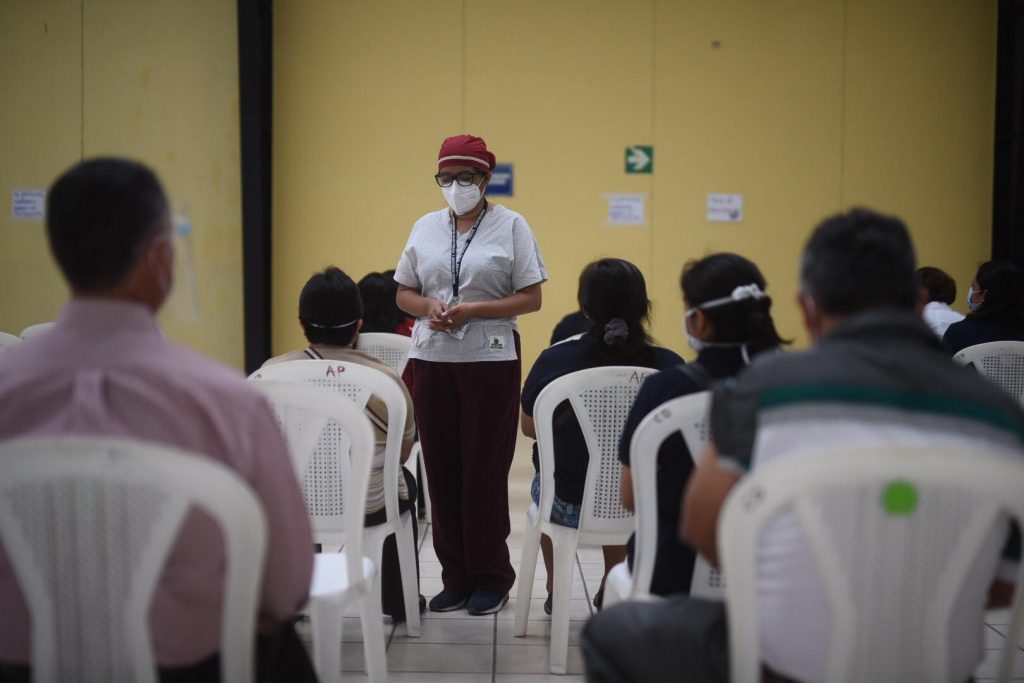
{"type": "Point", "coordinates": [971, 331]}
{"type": "Point", "coordinates": [673, 569]}
{"type": "Point", "coordinates": [571, 458]}
{"type": "Point", "coordinates": [570, 326]}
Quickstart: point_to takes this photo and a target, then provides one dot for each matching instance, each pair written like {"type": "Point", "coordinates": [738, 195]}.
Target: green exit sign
{"type": "Point", "coordinates": [640, 159]}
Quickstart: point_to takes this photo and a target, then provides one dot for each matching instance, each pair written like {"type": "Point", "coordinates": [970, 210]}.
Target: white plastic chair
{"type": "Point", "coordinates": [34, 330]}
{"type": "Point", "coordinates": [393, 349]}
{"type": "Point", "coordinates": [1001, 361]}
{"type": "Point", "coordinates": [689, 415]}
{"type": "Point", "coordinates": [8, 341]}
{"type": "Point", "coordinates": [88, 524]}
{"type": "Point", "coordinates": [357, 383]}
{"type": "Point", "coordinates": [892, 573]}
{"type": "Point", "coordinates": [331, 444]}
{"type": "Point", "coordinates": [601, 398]}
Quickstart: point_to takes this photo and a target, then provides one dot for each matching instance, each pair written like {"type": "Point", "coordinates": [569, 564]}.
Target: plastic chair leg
{"type": "Point", "coordinates": [424, 490]}
{"type": "Point", "coordinates": [617, 586]}
{"type": "Point", "coordinates": [565, 555]}
{"type": "Point", "coordinates": [527, 568]}
{"type": "Point", "coordinates": [373, 636]}
{"type": "Point", "coordinates": [407, 563]}
{"type": "Point", "coordinates": [325, 621]}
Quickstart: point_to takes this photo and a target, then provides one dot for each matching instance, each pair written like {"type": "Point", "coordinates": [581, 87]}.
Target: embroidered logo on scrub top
{"type": "Point", "coordinates": [496, 343]}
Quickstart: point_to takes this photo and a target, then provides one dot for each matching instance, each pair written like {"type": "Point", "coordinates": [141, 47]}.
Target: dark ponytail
{"type": "Point", "coordinates": [613, 295]}
{"type": "Point", "coordinates": [745, 321]}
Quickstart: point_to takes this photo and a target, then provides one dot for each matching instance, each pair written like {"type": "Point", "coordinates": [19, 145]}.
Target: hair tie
{"type": "Point", "coordinates": [616, 328]}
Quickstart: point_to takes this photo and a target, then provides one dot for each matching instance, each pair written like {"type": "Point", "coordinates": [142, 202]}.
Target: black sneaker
{"type": "Point", "coordinates": [547, 605]}
{"type": "Point", "coordinates": [448, 600]}
{"type": "Point", "coordinates": [485, 602]}
{"type": "Point", "coordinates": [399, 615]}
{"type": "Point", "coordinates": [599, 599]}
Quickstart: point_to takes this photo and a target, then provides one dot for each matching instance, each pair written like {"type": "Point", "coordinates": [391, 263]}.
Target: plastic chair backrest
{"type": "Point", "coordinates": [33, 330]}
{"type": "Point", "coordinates": [1000, 361]}
{"type": "Point", "coordinates": [392, 349]}
{"type": "Point", "coordinates": [689, 415]}
{"type": "Point", "coordinates": [357, 383]}
{"type": "Point", "coordinates": [88, 524]}
{"type": "Point", "coordinates": [601, 398]}
{"type": "Point", "coordinates": [331, 442]}
{"type": "Point", "coordinates": [8, 341]}
{"type": "Point", "coordinates": [893, 535]}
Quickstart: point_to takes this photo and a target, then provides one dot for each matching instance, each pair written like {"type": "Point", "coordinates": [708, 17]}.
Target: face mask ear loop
{"type": "Point", "coordinates": [743, 352]}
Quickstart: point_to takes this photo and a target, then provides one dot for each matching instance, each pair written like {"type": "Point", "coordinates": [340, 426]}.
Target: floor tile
{"type": "Point", "coordinates": [997, 616]}
{"type": "Point", "coordinates": [540, 589]}
{"type": "Point", "coordinates": [536, 678]}
{"type": "Point", "coordinates": [423, 677]}
{"type": "Point", "coordinates": [592, 570]}
{"type": "Point", "coordinates": [538, 632]}
{"type": "Point", "coordinates": [467, 630]}
{"type": "Point", "coordinates": [1004, 630]}
{"type": "Point", "coordinates": [352, 657]}
{"type": "Point", "coordinates": [994, 640]}
{"type": "Point", "coordinates": [437, 658]}
{"type": "Point", "coordinates": [578, 610]}
{"type": "Point", "coordinates": [533, 659]}
{"type": "Point", "coordinates": [989, 667]}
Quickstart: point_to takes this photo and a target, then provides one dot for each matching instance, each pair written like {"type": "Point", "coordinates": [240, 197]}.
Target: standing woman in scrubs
{"type": "Point", "coordinates": [465, 274]}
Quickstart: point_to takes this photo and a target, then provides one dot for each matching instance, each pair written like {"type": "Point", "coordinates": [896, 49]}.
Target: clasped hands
{"type": "Point", "coordinates": [444, 319]}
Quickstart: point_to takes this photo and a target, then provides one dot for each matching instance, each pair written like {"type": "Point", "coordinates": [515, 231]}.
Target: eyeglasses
{"type": "Point", "coordinates": [465, 179]}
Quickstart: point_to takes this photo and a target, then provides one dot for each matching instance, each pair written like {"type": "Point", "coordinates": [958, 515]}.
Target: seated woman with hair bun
{"type": "Point", "coordinates": [727, 322]}
{"type": "Point", "coordinates": [613, 295]}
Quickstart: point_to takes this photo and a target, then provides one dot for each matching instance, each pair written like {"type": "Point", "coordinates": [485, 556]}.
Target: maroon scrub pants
{"type": "Point", "coordinates": [467, 415]}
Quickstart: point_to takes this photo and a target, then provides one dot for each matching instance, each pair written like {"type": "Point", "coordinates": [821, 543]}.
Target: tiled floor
{"type": "Point", "coordinates": [458, 648]}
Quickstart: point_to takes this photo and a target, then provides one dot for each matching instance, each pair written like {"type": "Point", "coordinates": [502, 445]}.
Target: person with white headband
{"type": "Point", "coordinates": [466, 272]}
{"type": "Point", "coordinates": [331, 317]}
{"type": "Point", "coordinates": [727, 322]}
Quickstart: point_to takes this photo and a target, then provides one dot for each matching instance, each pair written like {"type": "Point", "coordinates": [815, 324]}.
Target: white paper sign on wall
{"type": "Point", "coordinates": [28, 205]}
{"type": "Point", "coordinates": [626, 209]}
{"type": "Point", "coordinates": [725, 208]}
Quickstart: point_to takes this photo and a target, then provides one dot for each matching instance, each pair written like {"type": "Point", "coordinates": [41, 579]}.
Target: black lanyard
{"type": "Point", "coordinates": [457, 263]}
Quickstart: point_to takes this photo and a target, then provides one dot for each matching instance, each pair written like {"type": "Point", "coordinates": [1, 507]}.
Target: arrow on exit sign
{"type": "Point", "coordinates": [640, 159]}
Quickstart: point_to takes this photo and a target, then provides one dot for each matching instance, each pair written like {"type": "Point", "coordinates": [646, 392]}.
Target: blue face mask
{"type": "Point", "coordinates": [970, 300]}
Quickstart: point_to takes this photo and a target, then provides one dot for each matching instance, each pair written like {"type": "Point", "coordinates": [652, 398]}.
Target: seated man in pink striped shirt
{"type": "Point", "coordinates": [106, 369]}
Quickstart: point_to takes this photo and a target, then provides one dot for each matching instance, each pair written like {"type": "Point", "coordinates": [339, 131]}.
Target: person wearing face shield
{"type": "Point", "coordinates": [727, 322]}
{"type": "Point", "coordinates": [106, 369]}
{"type": "Point", "coordinates": [466, 272]}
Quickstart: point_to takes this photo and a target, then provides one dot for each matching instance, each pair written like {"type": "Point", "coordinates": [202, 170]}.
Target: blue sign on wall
{"type": "Point", "coordinates": [501, 181]}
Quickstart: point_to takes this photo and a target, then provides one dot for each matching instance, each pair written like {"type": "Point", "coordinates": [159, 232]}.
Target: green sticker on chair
{"type": "Point", "coordinates": [899, 498]}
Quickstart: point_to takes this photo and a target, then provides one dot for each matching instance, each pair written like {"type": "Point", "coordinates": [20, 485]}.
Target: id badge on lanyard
{"type": "Point", "coordinates": [456, 265]}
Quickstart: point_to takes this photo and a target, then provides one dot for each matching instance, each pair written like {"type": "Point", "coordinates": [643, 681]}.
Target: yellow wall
{"type": "Point", "coordinates": [156, 81]}
{"type": "Point", "coordinates": [803, 106]}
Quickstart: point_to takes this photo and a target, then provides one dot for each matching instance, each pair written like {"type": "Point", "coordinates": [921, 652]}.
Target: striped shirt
{"type": "Point", "coordinates": [880, 378]}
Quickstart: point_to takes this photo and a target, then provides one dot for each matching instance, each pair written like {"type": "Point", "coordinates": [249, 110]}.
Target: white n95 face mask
{"type": "Point", "coordinates": [461, 199]}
